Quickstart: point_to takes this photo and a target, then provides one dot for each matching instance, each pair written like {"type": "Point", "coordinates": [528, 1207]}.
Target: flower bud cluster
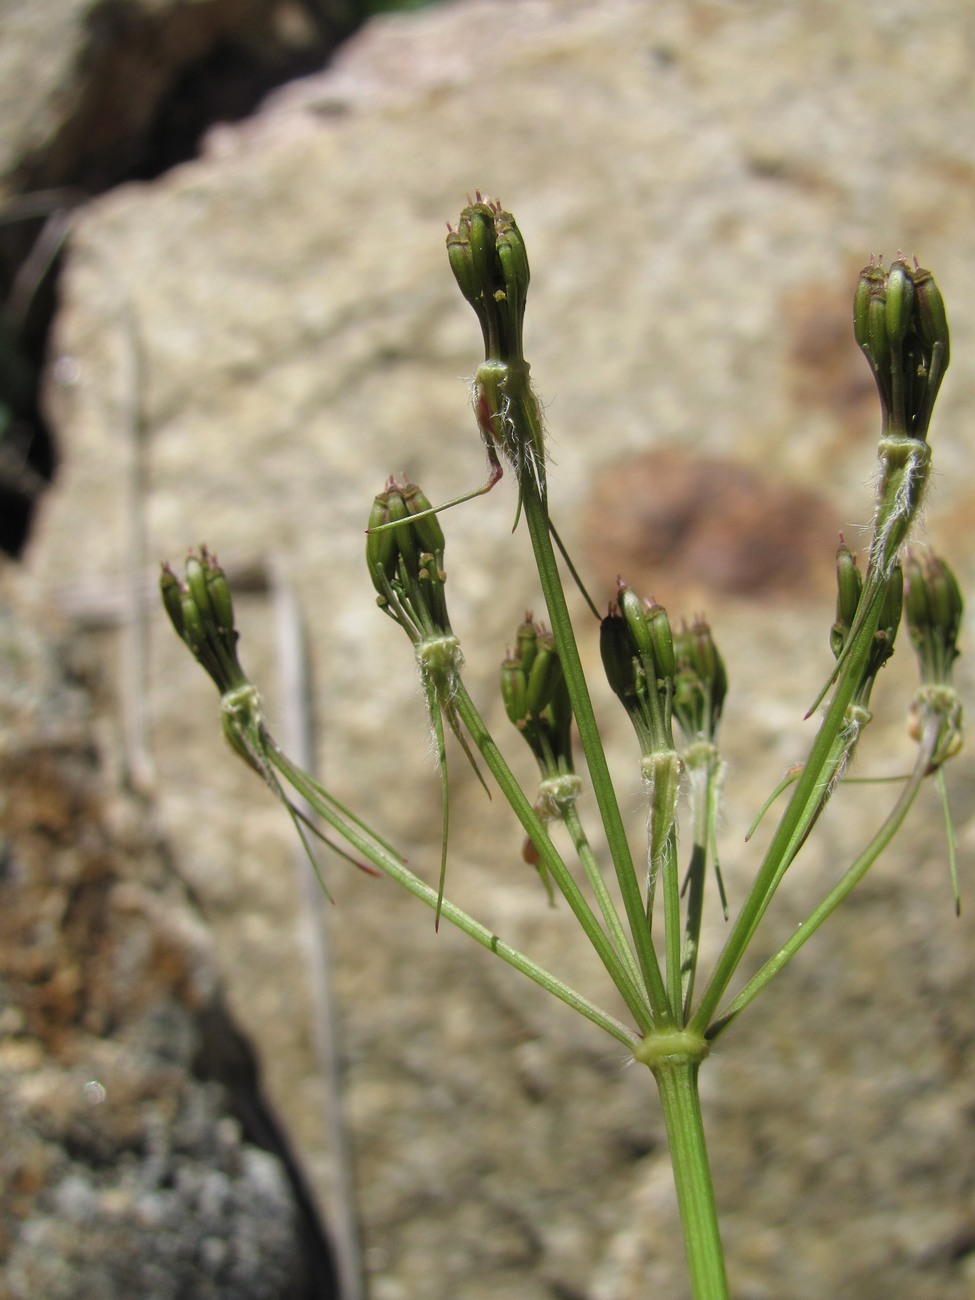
{"type": "Point", "coordinates": [490, 264]}
{"type": "Point", "coordinates": [637, 648]}
{"type": "Point", "coordinates": [701, 683]}
{"type": "Point", "coordinates": [934, 607]}
{"type": "Point", "coordinates": [900, 324]}
{"type": "Point", "coordinates": [659, 675]}
{"type": "Point", "coordinates": [201, 610]}
{"type": "Point", "coordinates": [406, 562]}
{"type": "Point", "coordinates": [536, 698]}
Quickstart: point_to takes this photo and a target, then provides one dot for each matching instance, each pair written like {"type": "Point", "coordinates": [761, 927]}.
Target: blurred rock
{"type": "Point", "coordinates": [92, 89]}
{"type": "Point", "coordinates": [691, 526]}
{"type": "Point", "coordinates": [698, 186]}
{"type": "Point", "coordinates": [129, 1163]}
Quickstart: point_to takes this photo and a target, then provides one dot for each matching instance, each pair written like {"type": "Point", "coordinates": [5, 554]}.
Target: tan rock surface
{"type": "Point", "coordinates": [138, 1155]}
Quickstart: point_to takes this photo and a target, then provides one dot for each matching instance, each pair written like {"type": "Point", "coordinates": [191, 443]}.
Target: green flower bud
{"type": "Point", "coordinates": [399, 513]}
{"type": "Point", "coordinates": [545, 674]}
{"type": "Point", "coordinates": [479, 219]}
{"type": "Point", "coordinates": [172, 597]}
{"type": "Point", "coordinates": [536, 699]}
{"type": "Point", "coordinates": [634, 613]}
{"type": "Point", "coordinates": [514, 691]}
{"type": "Point", "coordinates": [861, 305]}
{"type": "Point", "coordinates": [381, 550]}
{"type": "Point", "coordinates": [462, 264]}
{"type": "Point", "coordinates": [221, 603]}
{"type": "Point", "coordinates": [196, 585]}
{"type": "Point", "coordinates": [488, 258]}
{"type": "Point", "coordinates": [616, 650]}
{"type": "Point", "coordinates": [194, 632]}
{"type": "Point", "coordinates": [870, 326]}
{"type": "Point", "coordinates": [201, 610]}
{"type": "Point", "coordinates": [662, 638]}
{"type": "Point", "coordinates": [405, 562]}
{"type": "Point", "coordinates": [513, 258]}
{"type": "Point", "coordinates": [932, 328]}
{"type": "Point", "coordinates": [900, 324]}
{"type": "Point", "coordinates": [849, 584]}
{"type": "Point", "coordinates": [649, 628]}
{"type": "Point", "coordinates": [934, 610]}
{"type": "Point", "coordinates": [932, 322]}
{"type": "Point", "coordinates": [426, 529]}
{"type": "Point", "coordinates": [899, 302]}
{"type": "Point", "coordinates": [526, 639]}
{"type": "Point", "coordinates": [701, 683]}
{"type": "Point", "coordinates": [632, 672]}
{"type": "Point", "coordinates": [946, 601]}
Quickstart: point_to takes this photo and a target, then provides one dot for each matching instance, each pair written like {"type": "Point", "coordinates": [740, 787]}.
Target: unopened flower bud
{"type": "Point", "coordinates": [662, 638]}
{"type": "Point", "coordinates": [630, 638]}
{"type": "Point", "coordinates": [634, 613]}
{"type": "Point", "coordinates": [461, 259]}
{"type": "Point", "coordinates": [545, 674]}
{"type": "Point", "coordinates": [536, 699]}
{"type": "Point", "coordinates": [201, 610]}
{"type": "Point", "coordinates": [934, 609]}
{"type": "Point", "coordinates": [932, 322]}
{"type": "Point", "coordinates": [514, 691]}
{"type": "Point", "coordinates": [381, 550]}
{"type": "Point", "coordinates": [526, 639]}
{"type": "Point", "coordinates": [849, 584]}
{"type": "Point", "coordinates": [701, 682]}
{"type": "Point", "coordinates": [899, 322]}
{"type": "Point", "coordinates": [616, 649]}
{"type": "Point", "coordinates": [649, 629]}
{"type": "Point", "coordinates": [870, 326]}
{"type": "Point", "coordinates": [171, 591]}
{"type": "Point", "coordinates": [405, 561]}
{"type": "Point", "coordinates": [899, 303]}
{"type": "Point", "coordinates": [426, 528]}
{"type": "Point", "coordinates": [488, 258]}
{"type": "Point", "coordinates": [194, 633]}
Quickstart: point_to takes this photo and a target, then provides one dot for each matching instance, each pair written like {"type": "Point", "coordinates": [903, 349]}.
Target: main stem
{"type": "Point", "coordinates": [676, 1077]}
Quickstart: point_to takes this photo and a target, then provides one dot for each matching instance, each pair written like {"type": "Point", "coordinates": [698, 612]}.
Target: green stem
{"type": "Point", "coordinates": [393, 866]}
{"type": "Point", "coordinates": [580, 841]}
{"type": "Point", "coordinates": [675, 1066]}
{"type": "Point", "coordinates": [803, 807]}
{"type": "Point", "coordinates": [839, 892]}
{"type": "Point", "coordinates": [630, 991]}
{"type": "Point", "coordinates": [692, 925]}
{"type": "Point", "coordinates": [436, 722]}
{"type": "Point", "coordinates": [672, 924]}
{"type": "Point", "coordinates": [536, 515]}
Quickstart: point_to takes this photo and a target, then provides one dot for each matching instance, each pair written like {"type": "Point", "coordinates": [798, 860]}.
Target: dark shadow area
{"type": "Point", "coordinates": [144, 100]}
